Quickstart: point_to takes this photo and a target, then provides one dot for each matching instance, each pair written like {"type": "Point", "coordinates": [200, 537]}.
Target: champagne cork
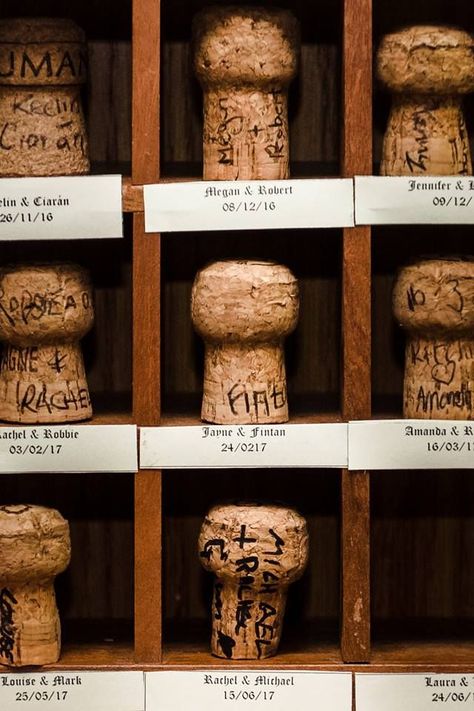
{"type": "Point", "coordinates": [245, 58]}
{"type": "Point", "coordinates": [44, 311]}
{"type": "Point", "coordinates": [34, 548]}
{"type": "Point", "coordinates": [428, 69]}
{"type": "Point", "coordinates": [243, 310]}
{"type": "Point", "coordinates": [434, 301]}
{"type": "Point", "coordinates": [43, 63]}
{"type": "Point", "coordinates": [255, 552]}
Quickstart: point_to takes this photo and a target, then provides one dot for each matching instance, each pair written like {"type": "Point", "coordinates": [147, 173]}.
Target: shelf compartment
{"type": "Point", "coordinates": [314, 105]}
{"type": "Point", "coordinates": [393, 248]}
{"type": "Point", "coordinates": [107, 347]}
{"type": "Point", "coordinates": [95, 592]}
{"type": "Point", "coordinates": [107, 94]}
{"type": "Point", "coordinates": [422, 566]}
{"type": "Point", "coordinates": [312, 351]}
{"type": "Point", "coordinates": [310, 627]}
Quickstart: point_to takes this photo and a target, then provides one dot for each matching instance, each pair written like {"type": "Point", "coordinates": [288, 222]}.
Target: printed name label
{"type": "Point", "coordinates": [411, 444]}
{"type": "Point", "coordinates": [423, 692]}
{"type": "Point", "coordinates": [248, 204]}
{"type": "Point", "coordinates": [71, 691]}
{"type": "Point", "coordinates": [275, 690]}
{"type": "Point", "coordinates": [82, 207]}
{"type": "Point", "coordinates": [381, 200]}
{"type": "Point", "coordinates": [68, 448]}
{"type": "Point", "coordinates": [208, 446]}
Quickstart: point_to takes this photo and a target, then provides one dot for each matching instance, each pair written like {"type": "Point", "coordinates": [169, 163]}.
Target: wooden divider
{"type": "Point", "coordinates": [356, 326]}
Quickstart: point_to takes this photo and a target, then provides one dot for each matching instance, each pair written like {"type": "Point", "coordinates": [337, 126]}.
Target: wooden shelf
{"type": "Point", "coordinates": [136, 537]}
{"type": "Point", "coordinates": [99, 644]}
{"type": "Point", "coordinates": [303, 410]}
{"type": "Point", "coordinates": [417, 642]}
{"type": "Point", "coordinates": [318, 657]}
{"type": "Point", "coordinates": [421, 653]}
{"type": "Point", "coordinates": [188, 420]}
{"type": "Point", "coordinates": [185, 171]}
{"type": "Point", "coordinates": [315, 644]}
{"type": "Point", "coordinates": [91, 657]}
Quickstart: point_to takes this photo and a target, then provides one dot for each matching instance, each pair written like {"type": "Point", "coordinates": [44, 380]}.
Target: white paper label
{"type": "Point", "coordinates": [422, 692]}
{"type": "Point", "coordinates": [411, 444]}
{"type": "Point", "coordinates": [413, 200]}
{"type": "Point", "coordinates": [82, 207]}
{"type": "Point", "coordinates": [248, 204]}
{"type": "Point", "coordinates": [68, 448]}
{"type": "Point", "coordinates": [239, 690]}
{"type": "Point", "coordinates": [208, 446]}
{"type": "Point", "coordinates": [73, 691]}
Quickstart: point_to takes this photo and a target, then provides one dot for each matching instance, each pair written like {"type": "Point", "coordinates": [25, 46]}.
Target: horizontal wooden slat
{"type": "Point", "coordinates": [132, 196]}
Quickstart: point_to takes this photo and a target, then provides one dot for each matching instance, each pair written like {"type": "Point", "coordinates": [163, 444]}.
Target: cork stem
{"type": "Point", "coordinates": [247, 620]}
{"type": "Point", "coordinates": [30, 630]}
{"type": "Point", "coordinates": [426, 135]}
{"type": "Point", "coordinates": [246, 134]}
{"type": "Point", "coordinates": [244, 383]}
{"type": "Point", "coordinates": [43, 132]}
{"type": "Point", "coordinates": [44, 383]}
{"type": "Point", "coordinates": [439, 378]}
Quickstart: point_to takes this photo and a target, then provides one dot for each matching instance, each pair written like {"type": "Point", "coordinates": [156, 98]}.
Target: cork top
{"type": "Point", "coordinates": [253, 529]}
{"type": "Point", "coordinates": [244, 300]}
{"type": "Point", "coordinates": [41, 302]}
{"type": "Point", "coordinates": [36, 51]}
{"type": "Point", "coordinates": [245, 45]}
{"type": "Point", "coordinates": [34, 542]}
{"type": "Point", "coordinates": [26, 30]}
{"type": "Point", "coordinates": [427, 58]}
{"type": "Point", "coordinates": [436, 296]}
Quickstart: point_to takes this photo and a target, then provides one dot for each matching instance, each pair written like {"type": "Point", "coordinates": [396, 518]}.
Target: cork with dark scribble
{"type": "Point", "coordinates": [428, 69]}
{"type": "Point", "coordinates": [43, 63]}
{"type": "Point", "coordinates": [44, 311]}
{"type": "Point", "coordinates": [434, 301]}
{"type": "Point", "coordinates": [245, 58]}
{"type": "Point", "coordinates": [255, 552]}
{"type": "Point", "coordinates": [34, 548]}
{"type": "Point", "coordinates": [244, 310]}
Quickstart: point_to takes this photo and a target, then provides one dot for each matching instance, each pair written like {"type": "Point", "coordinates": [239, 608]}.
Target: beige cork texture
{"type": "Point", "coordinates": [245, 58]}
{"type": "Point", "coordinates": [434, 301]}
{"type": "Point", "coordinates": [428, 68]}
{"type": "Point", "coordinates": [34, 548]}
{"type": "Point", "coordinates": [243, 310]}
{"type": "Point", "coordinates": [43, 63]}
{"type": "Point", "coordinates": [255, 552]}
{"type": "Point", "coordinates": [44, 311]}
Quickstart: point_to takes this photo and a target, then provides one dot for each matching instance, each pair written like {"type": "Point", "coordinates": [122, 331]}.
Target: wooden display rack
{"type": "Point", "coordinates": [420, 523]}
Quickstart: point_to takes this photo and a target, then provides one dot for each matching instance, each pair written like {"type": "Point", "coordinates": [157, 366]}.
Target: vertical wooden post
{"type": "Point", "coordinates": [146, 326]}
{"type": "Point", "coordinates": [356, 324]}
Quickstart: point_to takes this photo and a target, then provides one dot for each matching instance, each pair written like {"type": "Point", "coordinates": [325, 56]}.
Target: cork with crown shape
{"type": "Point", "coordinates": [243, 310]}
{"type": "Point", "coordinates": [255, 552]}
{"type": "Point", "coordinates": [34, 548]}
{"type": "Point", "coordinates": [245, 58]}
{"type": "Point", "coordinates": [44, 311]}
{"type": "Point", "coordinates": [434, 301]}
{"type": "Point", "coordinates": [43, 63]}
{"type": "Point", "coordinates": [428, 69]}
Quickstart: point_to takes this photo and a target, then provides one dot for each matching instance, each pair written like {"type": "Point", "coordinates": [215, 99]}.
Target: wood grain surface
{"type": "Point", "coordinates": [356, 329]}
